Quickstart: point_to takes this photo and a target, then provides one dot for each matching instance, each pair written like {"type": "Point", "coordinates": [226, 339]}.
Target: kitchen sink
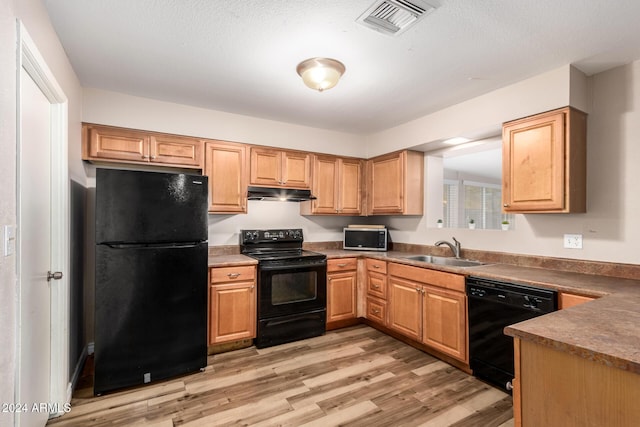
{"type": "Point", "coordinates": [443, 260]}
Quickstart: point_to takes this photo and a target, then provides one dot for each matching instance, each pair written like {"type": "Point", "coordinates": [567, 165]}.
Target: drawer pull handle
{"type": "Point", "coordinates": [342, 265]}
{"type": "Point", "coordinates": [233, 275]}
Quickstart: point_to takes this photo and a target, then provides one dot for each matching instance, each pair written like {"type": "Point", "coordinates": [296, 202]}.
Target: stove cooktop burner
{"type": "Point", "coordinates": [286, 255]}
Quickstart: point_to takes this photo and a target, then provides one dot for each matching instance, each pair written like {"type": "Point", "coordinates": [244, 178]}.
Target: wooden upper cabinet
{"type": "Point", "coordinates": [337, 184]}
{"type": "Point", "coordinates": [176, 150]}
{"type": "Point", "coordinates": [280, 168]}
{"type": "Point", "coordinates": [396, 184]}
{"type": "Point", "coordinates": [112, 144]}
{"type": "Point", "coordinates": [544, 163]}
{"type": "Point", "coordinates": [108, 143]}
{"type": "Point", "coordinates": [226, 167]}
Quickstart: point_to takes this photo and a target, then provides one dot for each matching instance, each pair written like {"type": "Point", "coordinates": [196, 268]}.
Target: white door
{"type": "Point", "coordinates": [42, 245]}
{"type": "Point", "coordinates": [35, 250]}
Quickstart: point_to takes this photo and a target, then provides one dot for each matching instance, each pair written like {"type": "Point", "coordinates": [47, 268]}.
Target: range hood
{"type": "Point", "coordinates": [281, 194]}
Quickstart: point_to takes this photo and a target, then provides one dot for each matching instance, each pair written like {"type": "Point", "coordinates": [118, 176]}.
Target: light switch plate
{"type": "Point", "coordinates": [9, 240]}
{"type": "Point", "coordinates": [573, 241]}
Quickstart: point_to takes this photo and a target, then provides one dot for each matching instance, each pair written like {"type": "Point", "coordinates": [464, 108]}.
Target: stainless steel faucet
{"type": "Point", "coordinates": [454, 248]}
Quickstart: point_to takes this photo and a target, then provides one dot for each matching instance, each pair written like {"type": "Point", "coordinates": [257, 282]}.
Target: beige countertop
{"type": "Point", "coordinates": [606, 330]}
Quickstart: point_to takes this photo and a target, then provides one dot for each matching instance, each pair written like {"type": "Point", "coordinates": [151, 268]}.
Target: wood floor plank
{"type": "Point", "coordinates": [355, 376]}
{"type": "Point", "coordinates": [345, 415]}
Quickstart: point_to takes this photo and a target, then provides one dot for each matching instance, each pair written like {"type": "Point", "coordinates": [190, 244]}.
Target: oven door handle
{"type": "Point", "coordinates": [291, 266]}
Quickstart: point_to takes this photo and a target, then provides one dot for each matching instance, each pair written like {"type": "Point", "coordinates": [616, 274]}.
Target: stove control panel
{"type": "Point", "coordinates": [257, 236]}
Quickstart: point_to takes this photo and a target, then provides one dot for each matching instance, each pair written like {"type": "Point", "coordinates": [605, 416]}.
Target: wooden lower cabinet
{"type": "Point", "coordinates": [405, 307]}
{"type": "Point", "coordinates": [555, 388]}
{"type": "Point", "coordinates": [232, 304]}
{"type": "Point", "coordinates": [376, 290]}
{"type": "Point", "coordinates": [444, 320]}
{"type": "Point", "coordinates": [430, 307]}
{"type": "Point", "coordinates": [342, 285]}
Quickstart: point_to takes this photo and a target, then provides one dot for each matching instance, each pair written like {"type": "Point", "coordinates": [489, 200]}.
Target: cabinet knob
{"type": "Point", "coordinates": [506, 205]}
{"type": "Point", "coordinates": [153, 157]}
{"type": "Point", "coordinates": [376, 266]}
{"type": "Point", "coordinates": [375, 311]}
{"type": "Point", "coordinates": [145, 157]}
{"type": "Point", "coordinates": [508, 386]}
{"type": "Point", "coordinates": [375, 286]}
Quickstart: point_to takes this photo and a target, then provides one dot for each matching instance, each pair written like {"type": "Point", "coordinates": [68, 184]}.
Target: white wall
{"type": "Point", "coordinates": [610, 228]}
{"type": "Point", "coordinates": [482, 116]}
{"type": "Point", "coordinates": [609, 97]}
{"type": "Point", "coordinates": [8, 321]}
{"type": "Point", "coordinates": [35, 19]}
{"type": "Point", "coordinates": [116, 109]}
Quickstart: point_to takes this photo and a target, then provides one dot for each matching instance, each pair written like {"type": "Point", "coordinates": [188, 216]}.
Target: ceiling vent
{"type": "Point", "coordinates": [393, 17]}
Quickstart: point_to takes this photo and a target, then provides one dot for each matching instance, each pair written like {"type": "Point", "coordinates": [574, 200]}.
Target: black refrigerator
{"type": "Point", "coordinates": [151, 277]}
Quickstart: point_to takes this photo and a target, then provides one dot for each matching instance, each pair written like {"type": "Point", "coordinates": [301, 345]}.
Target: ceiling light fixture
{"type": "Point", "coordinates": [457, 140]}
{"type": "Point", "coordinates": [320, 73]}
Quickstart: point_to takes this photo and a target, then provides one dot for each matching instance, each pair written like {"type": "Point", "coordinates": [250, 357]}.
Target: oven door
{"type": "Point", "coordinates": [289, 289]}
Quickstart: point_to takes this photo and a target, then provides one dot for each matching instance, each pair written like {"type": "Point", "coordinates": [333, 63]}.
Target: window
{"type": "Point", "coordinates": [468, 200]}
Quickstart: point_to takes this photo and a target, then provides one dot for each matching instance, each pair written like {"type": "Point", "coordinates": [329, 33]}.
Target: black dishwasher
{"type": "Point", "coordinates": [493, 305]}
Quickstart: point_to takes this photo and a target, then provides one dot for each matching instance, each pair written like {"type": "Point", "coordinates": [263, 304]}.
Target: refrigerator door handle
{"type": "Point", "coordinates": [152, 246]}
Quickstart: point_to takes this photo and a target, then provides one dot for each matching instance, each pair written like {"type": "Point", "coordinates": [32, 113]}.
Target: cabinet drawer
{"type": "Point", "coordinates": [377, 310]}
{"type": "Point", "coordinates": [425, 275]}
{"type": "Point", "coordinates": [377, 265]}
{"type": "Point", "coordinates": [377, 285]}
{"type": "Point", "coordinates": [233, 274]}
{"type": "Point", "coordinates": [342, 264]}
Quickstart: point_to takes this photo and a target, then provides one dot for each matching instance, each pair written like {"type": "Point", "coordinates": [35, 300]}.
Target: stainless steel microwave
{"type": "Point", "coordinates": [365, 239]}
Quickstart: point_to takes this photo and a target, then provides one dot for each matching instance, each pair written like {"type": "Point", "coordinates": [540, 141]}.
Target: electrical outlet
{"type": "Point", "coordinates": [573, 241]}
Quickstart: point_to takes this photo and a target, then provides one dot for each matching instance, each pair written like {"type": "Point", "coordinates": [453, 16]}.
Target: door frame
{"type": "Point", "coordinates": [30, 59]}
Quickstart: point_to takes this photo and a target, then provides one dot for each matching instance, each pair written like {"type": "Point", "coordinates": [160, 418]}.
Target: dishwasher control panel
{"type": "Point", "coordinates": [513, 294]}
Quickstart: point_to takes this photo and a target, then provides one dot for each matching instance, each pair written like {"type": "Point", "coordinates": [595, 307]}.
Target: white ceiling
{"type": "Point", "coordinates": [241, 56]}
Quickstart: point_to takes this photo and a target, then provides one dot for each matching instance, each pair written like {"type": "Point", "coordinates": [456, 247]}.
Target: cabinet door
{"type": "Point", "coordinates": [405, 306]}
{"type": "Point", "coordinates": [387, 189]}
{"type": "Point", "coordinates": [117, 144]}
{"type": "Point", "coordinates": [232, 312]}
{"type": "Point", "coordinates": [341, 296]}
{"type": "Point", "coordinates": [445, 322]}
{"type": "Point", "coordinates": [534, 163]}
{"type": "Point", "coordinates": [296, 169]}
{"type": "Point", "coordinates": [349, 191]}
{"type": "Point", "coordinates": [225, 166]}
{"type": "Point", "coordinates": [176, 150]}
{"type": "Point", "coordinates": [325, 185]}
{"type": "Point", "coordinates": [266, 167]}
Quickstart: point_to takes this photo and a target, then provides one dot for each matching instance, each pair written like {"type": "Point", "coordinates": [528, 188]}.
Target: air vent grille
{"type": "Point", "coordinates": [395, 16]}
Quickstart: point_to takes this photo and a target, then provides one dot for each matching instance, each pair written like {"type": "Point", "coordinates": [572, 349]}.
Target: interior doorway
{"type": "Point", "coordinates": [42, 239]}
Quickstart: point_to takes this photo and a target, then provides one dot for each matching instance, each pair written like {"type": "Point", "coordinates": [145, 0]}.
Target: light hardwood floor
{"type": "Point", "coordinates": [356, 376]}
